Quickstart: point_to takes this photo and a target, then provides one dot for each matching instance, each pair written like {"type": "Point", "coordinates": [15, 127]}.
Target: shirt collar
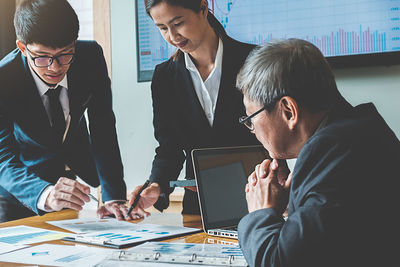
{"type": "Point", "coordinates": [42, 86]}
{"type": "Point", "coordinates": [218, 58]}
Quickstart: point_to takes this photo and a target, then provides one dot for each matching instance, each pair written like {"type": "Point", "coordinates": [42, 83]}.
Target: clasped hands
{"type": "Point", "coordinates": [268, 186]}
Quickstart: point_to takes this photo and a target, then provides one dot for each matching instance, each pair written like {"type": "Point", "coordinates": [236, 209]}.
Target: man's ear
{"type": "Point", "coordinates": [21, 46]}
{"type": "Point", "coordinates": [290, 111]}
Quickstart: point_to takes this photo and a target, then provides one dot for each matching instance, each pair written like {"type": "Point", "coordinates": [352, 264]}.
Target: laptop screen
{"type": "Point", "coordinates": [221, 175]}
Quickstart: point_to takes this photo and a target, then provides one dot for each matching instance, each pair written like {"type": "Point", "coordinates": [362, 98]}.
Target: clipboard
{"type": "Point", "coordinates": [124, 238]}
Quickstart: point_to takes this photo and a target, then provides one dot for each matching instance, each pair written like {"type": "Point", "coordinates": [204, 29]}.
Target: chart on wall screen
{"type": "Point", "coordinates": [336, 27]}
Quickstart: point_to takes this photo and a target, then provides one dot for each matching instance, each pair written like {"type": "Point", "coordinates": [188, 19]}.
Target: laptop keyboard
{"type": "Point", "coordinates": [230, 232]}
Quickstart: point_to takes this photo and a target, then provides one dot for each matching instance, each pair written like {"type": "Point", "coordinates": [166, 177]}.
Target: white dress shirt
{"type": "Point", "coordinates": [42, 88]}
{"type": "Point", "coordinates": [207, 91]}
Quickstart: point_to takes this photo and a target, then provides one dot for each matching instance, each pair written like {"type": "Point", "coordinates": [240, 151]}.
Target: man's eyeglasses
{"type": "Point", "coordinates": [45, 61]}
{"type": "Point", "coordinates": [246, 120]}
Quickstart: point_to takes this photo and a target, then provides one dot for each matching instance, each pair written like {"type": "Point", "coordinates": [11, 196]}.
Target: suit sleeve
{"type": "Point", "coordinates": [267, 240]}
{"type": "Point", "coordinates": [103, 133]}
{"type": "Point", "coordinates": [169, 157]}
{"type": "Point", "coordinates": [15, 177]}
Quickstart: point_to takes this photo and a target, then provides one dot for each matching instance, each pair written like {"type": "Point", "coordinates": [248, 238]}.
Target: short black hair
{"type": "Point", "coordinates": [51, 23]}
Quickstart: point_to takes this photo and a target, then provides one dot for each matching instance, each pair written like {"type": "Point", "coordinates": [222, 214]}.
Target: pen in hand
{"type": "Point", "coordinates": [93, 198]}
{"type": "Point", "coordinates": [137, 198]}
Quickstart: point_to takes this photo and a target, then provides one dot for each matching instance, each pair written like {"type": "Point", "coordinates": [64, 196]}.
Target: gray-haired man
{"type": "Point", "coordinates": [344, 185]}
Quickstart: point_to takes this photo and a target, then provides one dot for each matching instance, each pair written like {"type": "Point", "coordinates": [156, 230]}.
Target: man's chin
{"type": "Point", "coordinates": [275, 155]}
{"type": "Point", "coordinates": [53, 80]}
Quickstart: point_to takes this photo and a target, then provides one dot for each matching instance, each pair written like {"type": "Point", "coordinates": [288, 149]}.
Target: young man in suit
{"type": "Point", "coordinates": [343, 191]}
{"type": "Point", "coordinates": [47, 84]}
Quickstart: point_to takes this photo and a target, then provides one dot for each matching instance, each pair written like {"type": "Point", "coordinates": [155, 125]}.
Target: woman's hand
{"type": "Point", "coordinates": [148, 197]}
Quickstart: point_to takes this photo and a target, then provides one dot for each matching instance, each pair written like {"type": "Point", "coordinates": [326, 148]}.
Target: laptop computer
{"type": "Point", "coordinates": [221, 175]}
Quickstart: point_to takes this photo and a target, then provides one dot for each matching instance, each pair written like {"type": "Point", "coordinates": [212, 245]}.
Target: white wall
{"type": "Point", "coordinates": [84, 10]}
{"type": "Point", "coordinates": [133, 106]}
{"type": "Point", "coordinates": [132, 100]}
{"type": "Point", "coordinates": [380, 85]}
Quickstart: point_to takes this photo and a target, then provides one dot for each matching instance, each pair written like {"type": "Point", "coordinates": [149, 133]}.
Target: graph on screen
{"type": "Point", "coordinates": [338, 28]}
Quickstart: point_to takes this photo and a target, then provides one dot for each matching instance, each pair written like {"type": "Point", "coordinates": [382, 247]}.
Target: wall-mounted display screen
{"type": "Point", "coordinates": [348, 32]}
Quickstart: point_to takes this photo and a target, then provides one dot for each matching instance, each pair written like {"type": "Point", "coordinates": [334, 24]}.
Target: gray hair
{"type": "Point", "coordinates": [291, 67]}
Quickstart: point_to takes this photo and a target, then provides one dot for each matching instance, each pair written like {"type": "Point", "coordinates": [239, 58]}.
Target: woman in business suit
{"type": "Point", "coordinates": [195, 101]}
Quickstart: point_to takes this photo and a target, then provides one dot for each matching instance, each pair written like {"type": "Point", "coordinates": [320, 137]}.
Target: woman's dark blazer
{"type": "Point", "coordinates": [181, 125]}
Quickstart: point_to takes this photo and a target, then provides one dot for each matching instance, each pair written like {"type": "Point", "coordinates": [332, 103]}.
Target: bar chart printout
{"type": "Point", "coordinates": [138, 233]}
{"type": "Point", "coordinates": [57, 255]}
{"type": "Point", "coordinates": [22, 235]}
{"type": "Point", "coordinates": [337, 28]}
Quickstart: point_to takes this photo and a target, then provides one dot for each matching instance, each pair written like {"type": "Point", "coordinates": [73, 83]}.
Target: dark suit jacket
{"type": "Point", "coordinates": [30, 159]}
{"type": "Point", "coordinates": [343, 200]}
{"type": "Point", "coordinates": [181, 125]}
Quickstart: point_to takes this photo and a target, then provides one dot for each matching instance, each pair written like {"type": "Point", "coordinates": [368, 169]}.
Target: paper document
{"type": "Point", "coordinates": [4, 247]}
{"type": "Point", "coordinates": [137, 233]}
{"type": "Point", "coordinates": [181, 253]}
{"type": "Point", "coordinates": [23, 235]}
{"type": "Point", "coordinates": [91, 225]}
{"type": "Point", "coordinates": [57, 255]}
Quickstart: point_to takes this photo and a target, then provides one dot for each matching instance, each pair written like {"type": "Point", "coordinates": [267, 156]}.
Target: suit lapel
{"type": "Point", "coordinates": [78, 98]}
{"type": "Point", "coordinates": [32, 110]}
{"type": "Point", "coordinates": [225, 93]}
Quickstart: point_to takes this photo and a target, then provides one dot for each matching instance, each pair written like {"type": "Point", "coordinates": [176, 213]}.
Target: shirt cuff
{"type": "Point", "coordinates": [42, 199]}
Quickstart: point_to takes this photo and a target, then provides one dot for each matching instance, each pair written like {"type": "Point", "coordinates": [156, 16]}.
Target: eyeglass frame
{"type": "Point", "coordinates": [246, 120]}
{"type": "Point", "coordinates": [51, 59]}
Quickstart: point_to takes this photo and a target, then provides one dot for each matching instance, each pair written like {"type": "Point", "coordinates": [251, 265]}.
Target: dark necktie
{"type": "Point", "coordinates": [56, 113]}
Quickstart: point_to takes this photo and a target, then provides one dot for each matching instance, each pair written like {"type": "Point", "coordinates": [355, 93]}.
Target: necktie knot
{"type": "Point", "coordinates": [54, 93]}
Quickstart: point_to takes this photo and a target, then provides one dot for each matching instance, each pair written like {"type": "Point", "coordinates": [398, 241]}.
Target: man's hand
{"type": "Point", "coordinates": [116, 208]}
{"type": "Point", "coordinates": [148, 197]}
{"type": "Point", "coordinates": [268, 186]}
{"type": "Point", "coordinates": [67, 193]}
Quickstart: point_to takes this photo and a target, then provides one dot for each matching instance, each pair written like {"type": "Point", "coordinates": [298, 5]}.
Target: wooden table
{"type": "Point", "coordinates": [156, 218]}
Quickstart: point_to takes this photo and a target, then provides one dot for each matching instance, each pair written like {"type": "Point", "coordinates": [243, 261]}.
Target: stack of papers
{"type": "Point", "coordinates": [91, 225]}
{"type": "Point", "coordinates": [24, 235]}
{"type": "Point", "coordinates": [118, 234]}
{"type": "Point", "coordinates": [104, 232]}
{"type": "Point", "coordinates": [57, 255]}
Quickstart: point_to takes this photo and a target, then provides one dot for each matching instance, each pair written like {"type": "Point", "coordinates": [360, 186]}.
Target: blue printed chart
{"type": "Point", "coordinates": [182, 253]}
{"type": "Point", "coordinates": [23, 235]}
{"type": "Point", "coordinates": [138, 233]}
{"type": "Point", "coordinates": [336, 27]}
{"type": "Point", "coordinates": [85, 225]}
{"type": "Point", "coordinates": [57, 255]}
{"type": "Point", "coordinates": [187, 249]}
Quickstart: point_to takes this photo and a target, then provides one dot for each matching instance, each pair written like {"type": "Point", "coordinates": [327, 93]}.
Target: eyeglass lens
{"type": "Point", "coordinates": [247, 122]}
{"type": "Point", "coordinates": [47, 61]}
